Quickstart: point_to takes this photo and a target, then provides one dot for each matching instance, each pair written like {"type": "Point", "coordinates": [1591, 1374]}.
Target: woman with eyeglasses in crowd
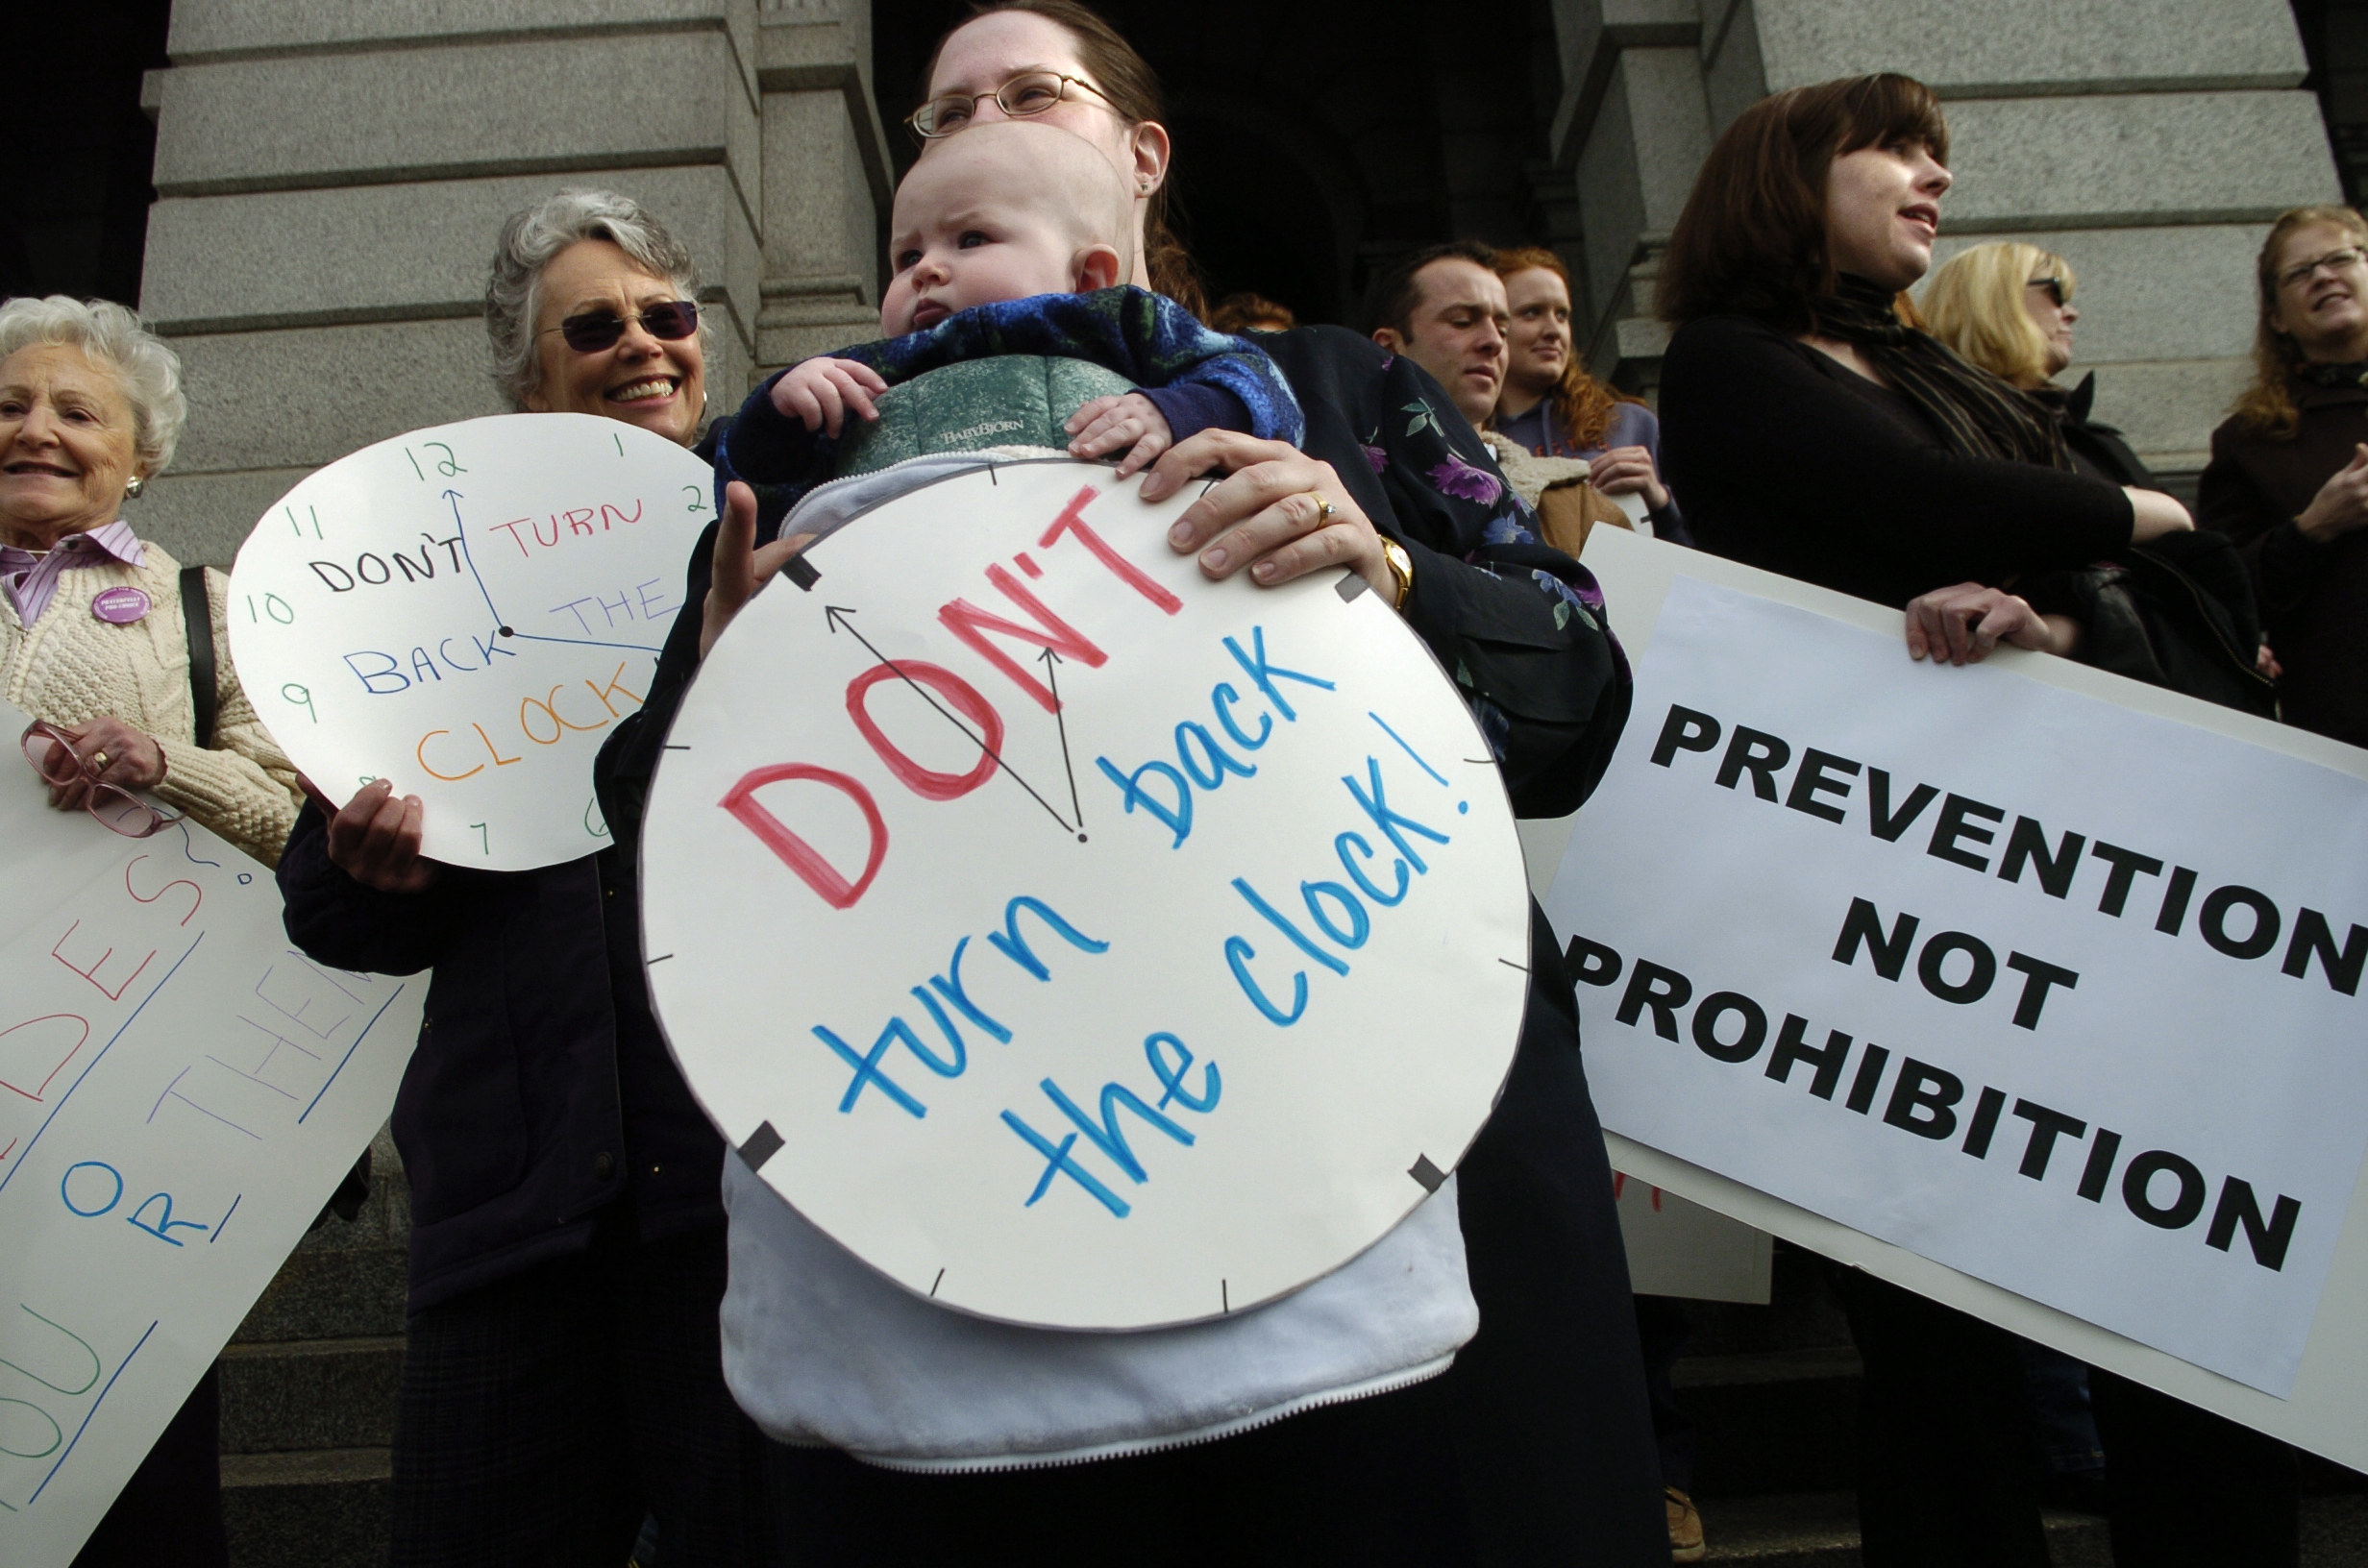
{"type": "Point", "coordinates": [2288, 478]}
{"type": "Point", "coordinates": [1304, 1427]}
{"type": "Point", "coordinates": [561, 1375]}
{"type": "Point", "coordinates": [98, 645]}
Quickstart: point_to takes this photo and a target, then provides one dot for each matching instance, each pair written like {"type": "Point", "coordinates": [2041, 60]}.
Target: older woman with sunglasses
{"type": "Point", "coordinates": [2288, 478]}
{"type": "Point", "coordinates": [562, 1376]}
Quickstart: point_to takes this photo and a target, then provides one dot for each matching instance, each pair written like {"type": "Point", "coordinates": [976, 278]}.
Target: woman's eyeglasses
{"type": "Point", "coordinates": [52, 756]}
{"type": "Point", "coordinates": [1031, 93]}
{"type": "Point", "coordinates": [595, 331]}
{"type": "Point", "coordinates": [2055, 287]}
{"type": "Point", "coordinates": [2343, 260]}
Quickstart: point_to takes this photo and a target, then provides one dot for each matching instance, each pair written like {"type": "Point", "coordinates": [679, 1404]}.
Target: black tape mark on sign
{"type": "Point", "coordinates": [1349, 587]}
{"type": "Point", "coordinates": [802, 572]}
{"type": "Point", "coordinates": [762, 1145]}
{"type": "Point", "coordinates": [2161, 1187]}
{"type": "Point", "coordinates": [1429, 1174]}
{"type": "Point", "coordinates": [2234, 921]}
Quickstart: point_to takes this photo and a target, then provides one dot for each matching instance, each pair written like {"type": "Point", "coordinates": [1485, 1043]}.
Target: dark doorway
{"type": "Point", "coordinates": [1315, 140]}
{"type": "Point", "coordinates": [74, 219]}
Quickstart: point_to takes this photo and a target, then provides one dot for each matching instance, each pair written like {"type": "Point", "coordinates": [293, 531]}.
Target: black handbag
{"type": "Point", "coordinates": [2176, 612]}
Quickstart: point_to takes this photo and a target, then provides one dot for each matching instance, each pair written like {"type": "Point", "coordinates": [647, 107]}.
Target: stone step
{"type": "Point", "coordinates": [1771, 1422]}
{"type": "Point", "coordinates": [289, 1395]}
{"type": "Point", "coordinates": [323, 1509]}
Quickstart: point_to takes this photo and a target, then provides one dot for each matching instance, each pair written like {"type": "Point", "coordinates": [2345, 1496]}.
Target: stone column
{"type": "Point", "coordinates": [828, 178]}
{"type": "Point", "coordinates": [330, 178]}
{"type": "Point", "coordinates": [2149, 143]}
{"type": "Point", "coordinates": [1633, 127]}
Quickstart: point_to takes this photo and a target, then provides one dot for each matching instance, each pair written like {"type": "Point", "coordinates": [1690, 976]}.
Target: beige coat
{"type": "Point", "coordinates": [69, 666]}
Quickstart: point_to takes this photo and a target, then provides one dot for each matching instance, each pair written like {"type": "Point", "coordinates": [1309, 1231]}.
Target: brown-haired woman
{"type": "Point", "coordinates": [1938, 484]}
{"type": "Point", "coordinates": [1551, 404]}
{"type": "Point", "coordinates": [2288, 478]}
{"type": "Point", "coordinates": [1534, 1444]}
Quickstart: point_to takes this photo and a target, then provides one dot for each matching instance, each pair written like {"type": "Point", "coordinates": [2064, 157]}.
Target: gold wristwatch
{"type": "Point", "coordinates": [1401, 567]}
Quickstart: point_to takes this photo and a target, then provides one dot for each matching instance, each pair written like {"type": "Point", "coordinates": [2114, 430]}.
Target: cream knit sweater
{"type": "Point", "coordinates": [69, 666]}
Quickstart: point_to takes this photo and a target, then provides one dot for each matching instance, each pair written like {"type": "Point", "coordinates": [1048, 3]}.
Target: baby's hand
{"type": "Point", "coordinates": [1107, 424]}
{"type": "Point", "coordinates": [821, 389]}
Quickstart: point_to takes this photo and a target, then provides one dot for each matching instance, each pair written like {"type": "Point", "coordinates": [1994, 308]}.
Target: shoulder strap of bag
{"type": "Point", "coordinates": [197, 618]}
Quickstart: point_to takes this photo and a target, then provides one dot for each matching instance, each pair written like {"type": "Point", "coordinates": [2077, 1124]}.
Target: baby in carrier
{"type": "Point", "coordinates": [1011, 238]}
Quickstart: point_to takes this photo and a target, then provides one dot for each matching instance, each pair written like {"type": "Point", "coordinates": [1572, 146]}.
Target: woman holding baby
{"type": "Point", "coordinates": [1310, 1427]}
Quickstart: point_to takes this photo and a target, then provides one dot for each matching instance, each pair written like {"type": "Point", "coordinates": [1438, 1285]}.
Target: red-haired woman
{"type": "Point", "coordinates": [2288, 478]}
{"type": "Point", "coordinates": [1555, 408]}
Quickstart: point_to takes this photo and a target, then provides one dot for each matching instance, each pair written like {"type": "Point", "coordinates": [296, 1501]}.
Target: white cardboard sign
{"type": "Point", "coordinates": [466, 610]}
{"type": "Point", "coordinates": [1077, 942]}
{"type": "Point", "coordinates": [180, 1093]}
{"type": "Point", "coordinates": [2155, 1160]}
{"type": "Point", "coordinates": [1675, 1247]}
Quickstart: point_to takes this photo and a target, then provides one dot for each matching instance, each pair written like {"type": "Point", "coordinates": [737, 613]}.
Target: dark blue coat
{"type": "Point", "coordinates": [540, 1095]}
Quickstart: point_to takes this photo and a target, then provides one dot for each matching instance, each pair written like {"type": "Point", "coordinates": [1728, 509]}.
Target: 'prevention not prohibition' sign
{"type": "Point", "coordinates": [1078, 942]}
{"type": "Point", "coordinates": [465, 610]}
{"type": "Point", "coordinates": [2033, 972]}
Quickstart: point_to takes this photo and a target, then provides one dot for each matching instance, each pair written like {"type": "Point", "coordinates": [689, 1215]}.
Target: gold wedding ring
{"type": "Point", "coordinates": [98, 760]}
{"type": "Point", "coordinates": [1323, 509]}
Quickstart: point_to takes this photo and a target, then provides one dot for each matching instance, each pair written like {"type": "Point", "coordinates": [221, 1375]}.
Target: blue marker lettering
{"type": "Point", "coordinates": [1015, 947]}
{"type": "Point", "coordinates": [393, 672]}
{"type": "Point", "coordinates": [1219, 761]}
{"type": "Point", "coordinates": [1222, 699]}
{"type": "Point", "coordinates": [1238, 954]}
{"type": "Point", "coordinates": [951, 990]}
{"type": "Point", "coordinates": [1057, 1162]}
{"type": "Point", "coordinates": [1106, 1134]}
{"type": "Point", "coordinates": [1170, 1075]}
{"type": "Point", "coordinates": [167, 1223]}
{"type": "Point", "coordinates": [1360, 923]}
{"type": "Point", "coordinates": [1377, 806]}
{"type": "Point", "coordinates": [1298, 938]}
{"type": "Point", "coordinates": [1178, 820]}
{"type": "Point", "coordinates": [1256, 666]}
{"type": "Point", "coordinates": [1356, 873]}
{"type": "Point", "coordinates": [944, 1024]}
{"type": "Point", "coordinates": [866, 1069]}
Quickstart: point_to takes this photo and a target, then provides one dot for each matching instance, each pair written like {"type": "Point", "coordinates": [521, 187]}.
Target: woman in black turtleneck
{"type": "Point", "coordinates": [1814, 433]}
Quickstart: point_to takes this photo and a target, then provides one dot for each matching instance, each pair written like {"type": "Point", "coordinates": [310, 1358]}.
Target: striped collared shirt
{"type": "Point", "coordinates": [30, 581]}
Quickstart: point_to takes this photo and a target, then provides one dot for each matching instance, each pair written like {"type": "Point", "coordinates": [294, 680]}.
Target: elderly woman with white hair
{"type": "Point", "coordinates": [562, 1373]}
{"type": "Point", "coordinates": [122, 660]}
{"type": "Point", "coordinates": [120, 656]}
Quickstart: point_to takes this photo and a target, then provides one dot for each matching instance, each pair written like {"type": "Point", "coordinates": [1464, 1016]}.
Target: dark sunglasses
{"type": "Point", "coordinates": [668, 320]}
{"type": "Point", "coordinates": [2054, 289]}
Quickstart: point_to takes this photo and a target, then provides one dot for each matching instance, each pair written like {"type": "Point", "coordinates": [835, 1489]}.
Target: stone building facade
{"type": "Point", "coordinates": [328, 176]}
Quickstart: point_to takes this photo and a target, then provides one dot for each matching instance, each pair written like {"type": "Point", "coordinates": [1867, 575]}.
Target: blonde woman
{"type": "Point", "coordinates": [2288, 478]}
{"type": "Point", "coordinates": [2008, 308]}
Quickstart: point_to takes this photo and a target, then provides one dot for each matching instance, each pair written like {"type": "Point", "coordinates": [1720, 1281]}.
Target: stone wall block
{"type": "Point", "coordinates": [202, 518]}
{"type": "Point", "coordinates": [2167, 410]}
{"type": "Point", "coordinates": [266, 259]}
{"type": "Point", "coordinates": [2136, 159]}
{"type": "Point", "coordinates": [206, 31]}
{"type": "Point", "coordinates": [1640, 160]}
{"type": "Point", "coordinates": [536, 105]}
{"type": "Point", "coordinates": [2017, 47]}
{"type": "Point", "coordinates": [1734, 76]}
{"type": "Point", "coordinates": [308, 396]}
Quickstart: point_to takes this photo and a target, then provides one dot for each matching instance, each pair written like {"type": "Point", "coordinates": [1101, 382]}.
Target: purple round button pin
{"type": "Point", "coordinates": [120, 606]}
